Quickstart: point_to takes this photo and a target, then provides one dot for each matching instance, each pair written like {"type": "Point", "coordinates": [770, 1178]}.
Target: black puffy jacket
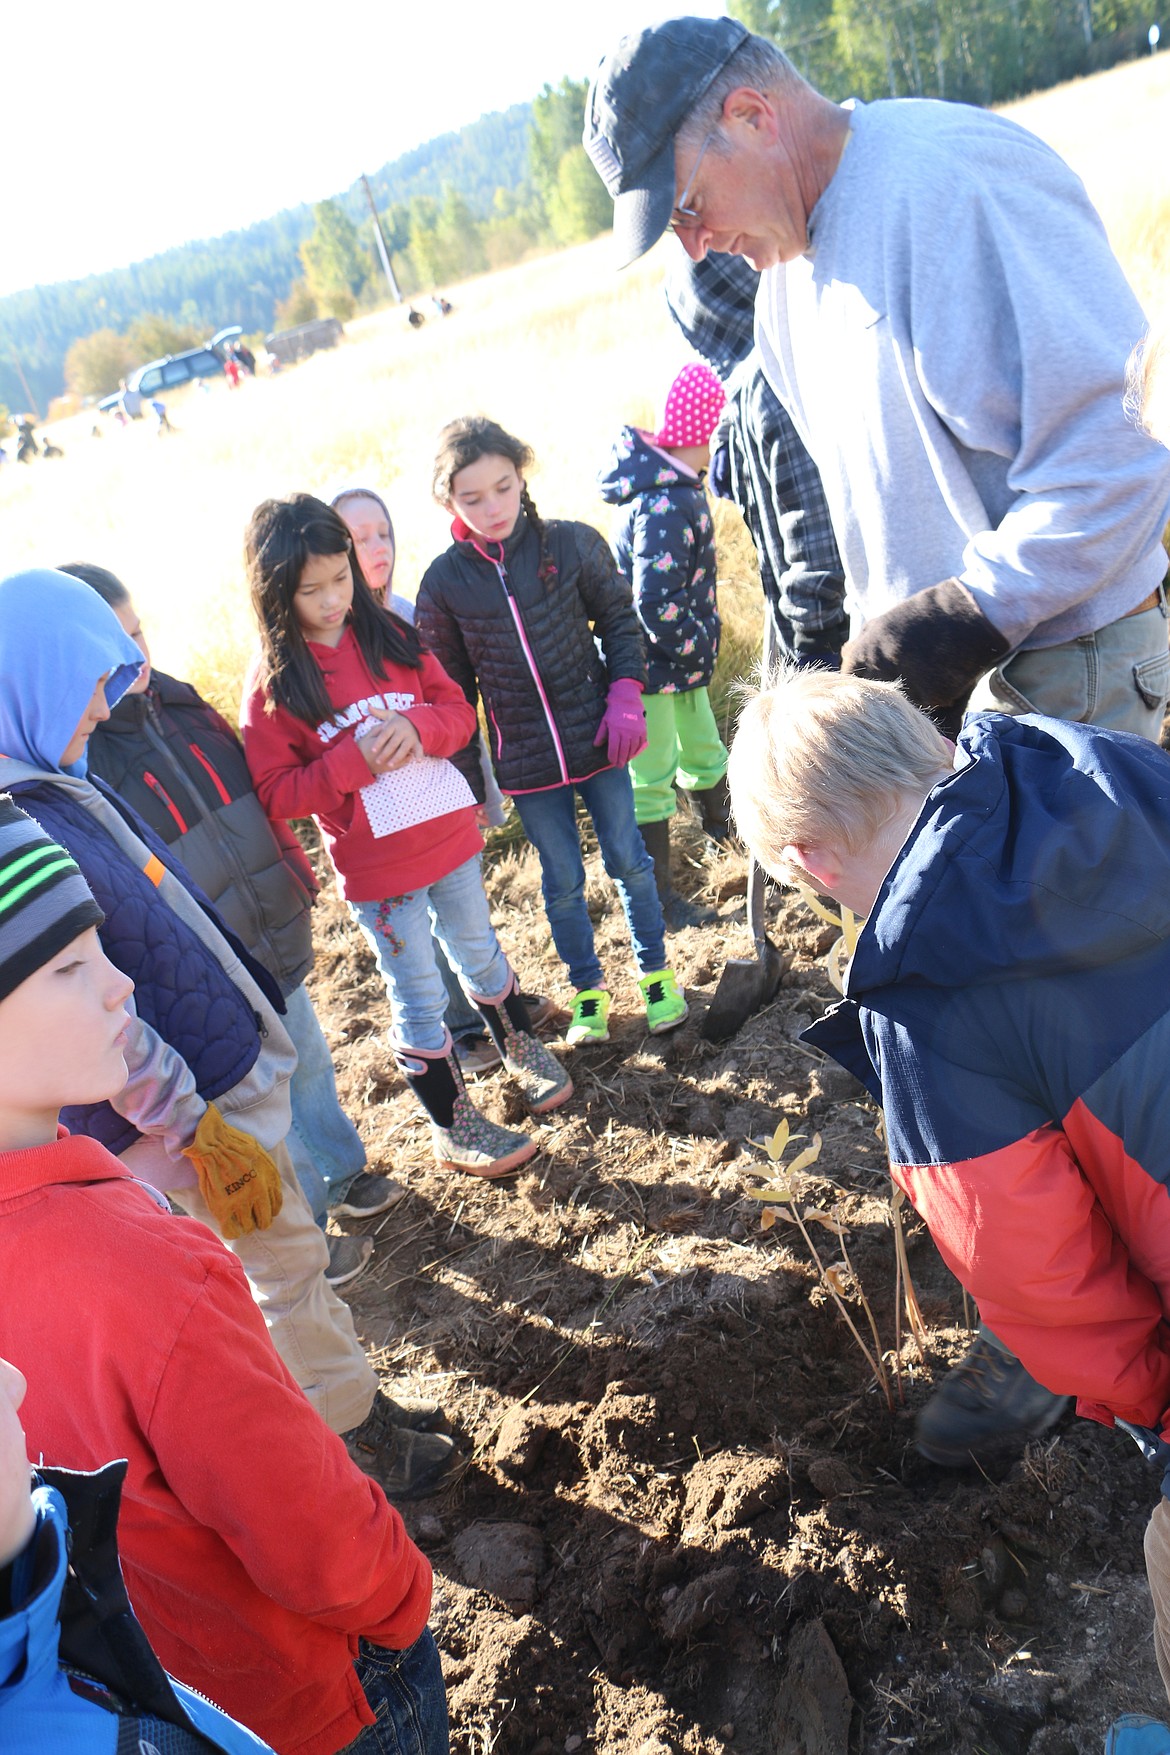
{"type": "Point", "coordinates": [542, 655]}
{"type": "Point", "coordinates": [181, 766]}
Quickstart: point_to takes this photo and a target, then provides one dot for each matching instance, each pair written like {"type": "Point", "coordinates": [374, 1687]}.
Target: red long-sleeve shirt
{"type": "Point", "coordinates": [302, 770]}
{"type": "Point", "coordinates": [255, 1552]}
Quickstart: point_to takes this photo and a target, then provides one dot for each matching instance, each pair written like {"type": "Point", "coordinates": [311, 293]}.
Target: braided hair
{"type": "Point", "coordinates": [463, 442]}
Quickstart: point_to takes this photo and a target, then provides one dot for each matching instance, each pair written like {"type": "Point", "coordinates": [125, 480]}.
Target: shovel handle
{"type": "Point", "coordinates": [756, 875]}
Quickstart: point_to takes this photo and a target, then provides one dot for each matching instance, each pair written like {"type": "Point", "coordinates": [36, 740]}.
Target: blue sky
{"type": "Point", "coordinates": [135, 126]}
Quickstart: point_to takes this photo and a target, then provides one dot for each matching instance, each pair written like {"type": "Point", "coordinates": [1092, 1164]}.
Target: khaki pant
{"type": "Point", "coordinates": [1158, 1572]}
{"type": "Point", "coordinates": [311, 1328]}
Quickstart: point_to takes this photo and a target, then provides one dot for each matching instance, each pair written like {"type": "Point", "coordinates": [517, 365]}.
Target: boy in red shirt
{"type": "Point", "coordinates": [267, 1570]}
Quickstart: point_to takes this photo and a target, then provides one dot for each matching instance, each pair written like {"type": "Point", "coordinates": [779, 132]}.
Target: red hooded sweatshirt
{"type": "Point", "coordinates": [255, 1552]}
{"type": "Point", "coordinates": [387, 835]}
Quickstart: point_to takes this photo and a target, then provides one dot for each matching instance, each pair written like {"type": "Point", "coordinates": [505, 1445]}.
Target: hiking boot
{"type": "Point", "coordinates": [406, 1464]}
{"type": "Point", "coordinates": [367, 1196]}
{"type": "Point", "coordinates": [677, 912]}
{"type": "Point", "coordinates": [590, 1019]}
{"type": "Point", "coordinates": [348, 1257]}
{"type": "Point", "coordinates": [665, 1005]}
{"type": "Point", "coordinates": [476, 1055]}
{"type": "Point", "coordinates": [544, 1083]}
{"type": "Point", "coordinates": [987, 1404]}
{"type": "Point", "coordinates": [462, 1138]}
{"type": "Point", "coordinates": [412, 1416]}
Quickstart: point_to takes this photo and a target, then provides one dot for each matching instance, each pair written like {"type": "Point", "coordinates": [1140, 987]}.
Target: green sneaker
{"type": "Point", "coordinates": [590, 1020]}
{"type": "Point", "coordinates": [665, 1006]}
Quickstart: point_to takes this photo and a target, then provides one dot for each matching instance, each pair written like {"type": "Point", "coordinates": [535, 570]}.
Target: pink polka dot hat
{"type": "Point", "coordinates": [693, 403]}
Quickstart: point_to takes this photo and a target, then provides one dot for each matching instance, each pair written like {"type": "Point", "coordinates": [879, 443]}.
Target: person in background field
{"type": "Point", "coordinates": [231, 371]}
{"type": "Point", "coordinates": [367, 518]}
{"type": "Point", "coordinates": [350, 719]}
{"type": "Point", "coordinates": [664, 544]}
{"type": "Point", "coordinates": [942, 317]}
{"type": "Point", "coordinates": [1008, 1003]}
{"type": "Point", "coordinates": [205, 1112]}
{"type": "Point", "coordinates": [267, 1571]}
{"type": "Point", "coordinates": [182, 767]}
{"type": "Point", "coordinates": [536, 619]}
{"type": "Point", "coordinates": [759, 463]}
{"type": "Point", "coordinates": [64, 1610]}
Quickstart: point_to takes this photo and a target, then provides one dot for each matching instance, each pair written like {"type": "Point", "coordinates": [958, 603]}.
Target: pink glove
{"type": "Point", "coordinates": [623, 723]}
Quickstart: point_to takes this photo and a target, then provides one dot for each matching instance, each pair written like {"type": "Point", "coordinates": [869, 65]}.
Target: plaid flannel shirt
{"type": "Point", "coordinates": [774, 481]}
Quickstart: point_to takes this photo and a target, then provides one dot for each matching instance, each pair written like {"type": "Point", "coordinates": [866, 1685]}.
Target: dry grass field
{"type": "Point", "coordinates": [561, 350]}
{"type": "Point", "coordinates": [688, 1521]}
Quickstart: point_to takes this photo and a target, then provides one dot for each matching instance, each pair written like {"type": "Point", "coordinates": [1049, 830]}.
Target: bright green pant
{"type": "Point", "coordinates": [683, 742]}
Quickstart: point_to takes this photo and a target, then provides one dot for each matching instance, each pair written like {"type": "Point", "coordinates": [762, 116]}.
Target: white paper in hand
{"type": "Point", "coordinates": [427, 787]}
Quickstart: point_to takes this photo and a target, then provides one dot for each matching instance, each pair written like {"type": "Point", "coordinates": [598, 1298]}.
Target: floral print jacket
{"type": "Point", "coordinates": [664, 544]}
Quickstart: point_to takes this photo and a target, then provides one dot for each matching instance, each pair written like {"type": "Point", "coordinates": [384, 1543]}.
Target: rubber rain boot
{"type": "Point", "coordinates": [462, 1138]}
{"type": "Point", "coordinates": [544, 1083]}
{"type": "Point", "coordinates": [713, 808]}
{"type": "Point", "coordinates": [677, 912]}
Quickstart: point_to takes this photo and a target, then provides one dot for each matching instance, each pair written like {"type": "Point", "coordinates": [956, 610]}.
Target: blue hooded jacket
{"type": "Point", "coordinates": [664, 545]}
{"type": "Point", "coordinates": [57, 639]}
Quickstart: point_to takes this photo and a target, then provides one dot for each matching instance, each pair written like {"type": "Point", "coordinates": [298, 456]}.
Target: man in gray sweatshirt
{"type": "Point", "coordinates": [941, 316]}
{"type": "Point", "coordinates": [943, 319]}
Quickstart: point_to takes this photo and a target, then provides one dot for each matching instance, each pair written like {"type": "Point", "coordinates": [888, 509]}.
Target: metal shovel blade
{"type": "Point", "coordinates": [747, 984]}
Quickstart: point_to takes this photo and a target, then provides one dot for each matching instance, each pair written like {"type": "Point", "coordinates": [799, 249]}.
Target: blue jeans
{"type": "Point", "coordinates": [398, 932]}
{"type": "Point", "coordinates": [550, 822]}
{"type": "Point", "coordinates": [323, 1143]}
{"type": "Point", "coordinates": [462, 1019]}
{"type": "Point", "coordinates": [406, 1692]}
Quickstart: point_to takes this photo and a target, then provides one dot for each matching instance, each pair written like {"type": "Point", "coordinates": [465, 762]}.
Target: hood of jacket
{"type": "Point", "coordinates": [57, 638]}
{"type": "Point", "coordinates": [635, 466]}
{"type": "Point", "coordinates": [131, 713]}
{"type": "Point", "coordinates": [1041, 858]}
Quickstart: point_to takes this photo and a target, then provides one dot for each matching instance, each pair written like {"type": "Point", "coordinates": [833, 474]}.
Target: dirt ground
{"type": "Point", "coordinates": [688, 1521]}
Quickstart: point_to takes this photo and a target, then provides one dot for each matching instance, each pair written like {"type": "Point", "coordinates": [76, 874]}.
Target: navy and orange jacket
{"type": "Point", "coordinates": [1009, 1005]}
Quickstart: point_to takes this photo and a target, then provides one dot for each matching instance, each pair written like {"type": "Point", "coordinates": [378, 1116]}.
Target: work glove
{"type": "Point", "coordinates": [237, 1178]}
{"type": "Point", "coordinates": [937, 643]}
{"type": "Point", "coordinates": [719, 472]}
{"type": "Point", "coordinates": [623, 724]}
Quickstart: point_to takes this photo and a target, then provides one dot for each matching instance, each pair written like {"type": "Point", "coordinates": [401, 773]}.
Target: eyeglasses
{"type": "Point", "coordinates": [684, 216]}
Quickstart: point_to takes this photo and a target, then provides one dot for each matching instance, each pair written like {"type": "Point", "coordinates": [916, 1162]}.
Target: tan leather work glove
{"type": "Point", "coordinates": [237, 1178]}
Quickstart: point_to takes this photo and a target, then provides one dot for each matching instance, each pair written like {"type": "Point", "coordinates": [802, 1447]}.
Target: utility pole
{"type": "Point", "coordinates": [380, 238]}
{"type": "Point", "coordinates": [31, 399]}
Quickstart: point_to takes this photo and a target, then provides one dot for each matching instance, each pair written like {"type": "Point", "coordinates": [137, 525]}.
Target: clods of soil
{"type": "Point", "coordinates": [689, 1519]}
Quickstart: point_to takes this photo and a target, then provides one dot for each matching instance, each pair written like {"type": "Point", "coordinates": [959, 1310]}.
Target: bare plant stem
{"type": "Point", "coordinates": [873, 1328]}
{"type": "Point", "coordinates": [877, 1365]}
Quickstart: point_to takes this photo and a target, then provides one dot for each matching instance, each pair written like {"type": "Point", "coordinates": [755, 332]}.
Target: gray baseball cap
{"type": "Point", "coordinates": [640, 97]}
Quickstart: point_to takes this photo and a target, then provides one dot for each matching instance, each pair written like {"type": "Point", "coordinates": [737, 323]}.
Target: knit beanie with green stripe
{"type": "Point", "coordinates": [45, 903]}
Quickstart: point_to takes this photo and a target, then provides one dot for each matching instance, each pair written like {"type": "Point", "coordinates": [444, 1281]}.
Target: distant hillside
{"type": "Point", "coordinates": [241, 276]}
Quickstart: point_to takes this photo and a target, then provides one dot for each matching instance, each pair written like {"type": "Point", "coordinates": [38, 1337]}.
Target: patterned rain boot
{"type": "Point", "coordinates": [544, 1083]}
{"type": "Point", "coordinates": [462, 1138]}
